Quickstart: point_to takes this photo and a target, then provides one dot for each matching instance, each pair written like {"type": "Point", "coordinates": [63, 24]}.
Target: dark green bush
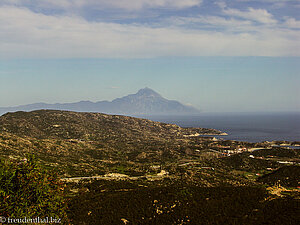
{"type": "Point", "coordinates": [29, 190]}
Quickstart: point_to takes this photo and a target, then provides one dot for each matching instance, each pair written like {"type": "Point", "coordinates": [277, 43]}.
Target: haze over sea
{"type": "Point", "coordinates": [250, 127]}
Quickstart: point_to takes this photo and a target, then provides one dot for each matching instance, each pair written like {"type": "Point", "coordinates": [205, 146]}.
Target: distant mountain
{"type": "Point", "coordinates": [144, 102]}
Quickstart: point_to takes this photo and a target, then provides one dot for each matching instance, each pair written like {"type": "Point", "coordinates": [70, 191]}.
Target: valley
{"type": "Point", "coordinates": [106, 160]}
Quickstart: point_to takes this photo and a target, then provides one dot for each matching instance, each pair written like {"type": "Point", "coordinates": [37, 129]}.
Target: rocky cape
{"type": "Point", "coordinates": [91, 126]}
{"type": "Point", "coordinates": [81, 143]}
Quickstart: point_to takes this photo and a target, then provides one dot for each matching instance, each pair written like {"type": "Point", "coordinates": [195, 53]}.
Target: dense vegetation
{"type": "Point", "coordinates": [168, 202]}
{"type": "Point", "coordinates": [278, 152]}
{"type": "Point", "coordinates": [244, 162]}
{"type": "Point", "coordinates": [29, 190]}
{"type": "Point", "coordinates": [288, 176]}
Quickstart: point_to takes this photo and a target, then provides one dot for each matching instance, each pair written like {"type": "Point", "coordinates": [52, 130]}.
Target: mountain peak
{"type": "Point", "coordinates": [145, 101]}
{"type": "Point", "coordinates": [147, 92]}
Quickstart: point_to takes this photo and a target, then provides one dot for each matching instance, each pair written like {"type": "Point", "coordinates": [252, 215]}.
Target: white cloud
{"type": "Point", "coordinates": [120, 4]}
{"type": "Point", "coordinates": [39, 3]}
{"type": "Point", "coordinates": [212, 21]}
{"type": "Point", "coordinates": [275, 3]}
{"type": "Point", "coordinates": [292, 23]}
{"type": "Point", "coordinates": [139, 4]}
{"type": "Point", "coordinates": [268, 1]}
{"type": "Point", "coordinates": [25, 34]}
{"type": "Point", "coordinates": [258, 15]}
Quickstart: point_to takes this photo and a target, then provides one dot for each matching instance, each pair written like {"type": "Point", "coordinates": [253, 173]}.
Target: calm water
{"type": "Point", "coordinates": [243, 127]}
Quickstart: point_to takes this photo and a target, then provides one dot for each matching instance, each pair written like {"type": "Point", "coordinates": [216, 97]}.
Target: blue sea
{"type": "Point", "coordinates": [250, 127]}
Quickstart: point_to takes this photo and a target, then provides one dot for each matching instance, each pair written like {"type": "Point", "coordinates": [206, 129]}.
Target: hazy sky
{"type": "Point", "coordinates": [238, 55]}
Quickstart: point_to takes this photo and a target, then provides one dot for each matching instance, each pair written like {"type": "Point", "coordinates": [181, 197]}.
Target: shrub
{"type": "Point", "coordinates": [29, 190]}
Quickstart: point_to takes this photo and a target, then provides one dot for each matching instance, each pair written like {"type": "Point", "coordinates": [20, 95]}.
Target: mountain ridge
{"type": "Point", "coordinates": [145, 102]}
